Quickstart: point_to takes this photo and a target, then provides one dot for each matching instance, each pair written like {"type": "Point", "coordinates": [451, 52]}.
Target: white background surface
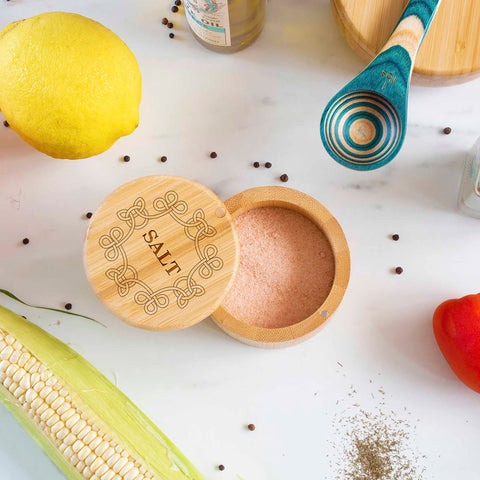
{"type": "Point", "coordinates": [198, 385]}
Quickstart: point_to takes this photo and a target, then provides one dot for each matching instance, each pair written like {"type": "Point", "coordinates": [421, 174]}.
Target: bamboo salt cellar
{"type": "Point", "coordinates": [161, 253]}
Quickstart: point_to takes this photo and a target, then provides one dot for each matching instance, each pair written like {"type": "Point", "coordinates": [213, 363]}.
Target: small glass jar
{"type": "Point", "coordinates": [225, 26]}
{"type": "Point", "coordinates": [469, 197]}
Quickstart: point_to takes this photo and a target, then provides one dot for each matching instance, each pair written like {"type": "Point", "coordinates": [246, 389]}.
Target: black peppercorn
{"type": "Point", "coordinates": [163, 159]}
{"type": "Point", "coordinates": [170, 25]}
{"type": "Point", "coordinates": [6, 124]}
{"type": "Point", "coordinates": [174, 9]}
{"type": "Point", "coordinates": [447, 130]}
{"type": "Point", "coordinates": [25, 241]}
{"type": "Point", "coordinates": [126, 158]}
{"type": "Point", "coordinates": [89, 214]}
{"type": "Point", "coordinates": [164, 20]}
{"type": "Point", "coordinates": [396, 237]}
{"type": "Point", "coordinates": [171, 35]}
{"type": "Point", "coordinates": [68, 306]}
{"type": "Point", "coordinates": [213, 155]}
{"type": "Point", "coordinates": [178, 2]}
{"type": "Point", "coordinates": [284, 177]}
{"type": "Point", "coordinates": [221, 468]}
{"type": "Point", "coordinates": [268, 165]}
{"type": "Point", "coordinates": [399, 270]}
{"type": "Point", "coordinates": [256, 164]}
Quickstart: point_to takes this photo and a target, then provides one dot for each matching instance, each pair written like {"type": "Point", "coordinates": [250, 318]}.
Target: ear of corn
{"type": "Point", "coordinates": [83, 422]}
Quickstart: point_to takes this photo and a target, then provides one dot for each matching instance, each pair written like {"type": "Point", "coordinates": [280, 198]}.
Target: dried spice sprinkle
{"type": "Point", "coordinates": [447, 130]}
{"type": "Point", "coordinates": [268, 165]}
{"type": "Point", "coordinates": [89, 214]}
{"type": "Point", "coordinates": [171, 35]}
{"type": "Point", "coordinates": [126, 158]}
{"type": "Point", "coordinates": [399, 270]}
{"type": "Point", "coordinates": [174, 9]}
{"type": "Point", "coordinates": [396, 237]}
{"type": "Point", "coordinates": [163, 159]}
{"type": "Point", "coordinates": [68, 306]}
{"type": "Point", "coordinates": [164, 21]}
{"type": "Point", "coordinates": [6, 124]}
{"type": "Point", "coordinates": [26, 241]}
{"type": "Point", "coordinates": [284, 177]}
{"type": "Point", "coordinates": [251, 427]}
{"type": "Point", "coordinates": [377, 450]}
{"type": "Point", "coordinates": [213, 155]}
{"type": "Point", "coordinates": [375, 445]}
{"type": "Point", "coordinates": [170, 25]}
{"type": "Point", "coordinates": [256, 164]}
{"type": "Point", "coordinates": [178, 2]}
{"type": "Point", "coordinates": [221, 468]}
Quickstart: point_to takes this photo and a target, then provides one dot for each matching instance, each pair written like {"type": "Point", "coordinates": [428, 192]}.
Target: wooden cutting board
{"type": "Point", "coordinates": [450, 53]}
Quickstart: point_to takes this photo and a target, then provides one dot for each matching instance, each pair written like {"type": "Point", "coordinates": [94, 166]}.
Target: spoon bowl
{"type": "Point", "coordinates": [363, 127]}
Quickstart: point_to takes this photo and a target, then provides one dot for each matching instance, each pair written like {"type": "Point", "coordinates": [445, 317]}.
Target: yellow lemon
{"type": "Point", "coordinates": [68, 85]}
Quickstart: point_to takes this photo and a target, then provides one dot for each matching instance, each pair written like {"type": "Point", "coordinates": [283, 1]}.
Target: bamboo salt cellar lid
{"type": "Point", "coordinates": [161, 252]}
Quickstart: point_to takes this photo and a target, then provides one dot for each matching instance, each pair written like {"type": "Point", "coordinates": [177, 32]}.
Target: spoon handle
{"type": "Point", "coordinates": [412, 27]}
{"type": "Point", "coordinates": [390, 72]}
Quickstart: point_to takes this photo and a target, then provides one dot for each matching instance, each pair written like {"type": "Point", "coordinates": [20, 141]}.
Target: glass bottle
{"type": "Point", "coordinates": [225, 25]}
{"type": "Point", "coordinates": [469, 197]}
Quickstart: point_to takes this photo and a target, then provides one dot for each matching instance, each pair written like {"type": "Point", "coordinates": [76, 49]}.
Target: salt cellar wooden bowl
{"type": "Point", "coordinates": [326, 222]}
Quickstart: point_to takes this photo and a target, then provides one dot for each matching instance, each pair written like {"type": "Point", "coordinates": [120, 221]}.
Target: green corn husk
{"type": "Point", "coordinates": [105, 405]}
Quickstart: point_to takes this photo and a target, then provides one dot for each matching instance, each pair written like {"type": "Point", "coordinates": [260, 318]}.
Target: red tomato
{"type": "Point", "coordinates": [456, 324]}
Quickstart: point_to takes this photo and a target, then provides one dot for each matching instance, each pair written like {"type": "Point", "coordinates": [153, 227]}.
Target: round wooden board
{"type": "Point", "coordinates": [450, 53]}
{"type": "Point", "coordinates": [161, 252]}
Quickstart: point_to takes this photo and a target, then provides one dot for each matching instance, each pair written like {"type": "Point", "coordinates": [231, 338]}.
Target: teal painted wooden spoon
{"type": "Point", "coordinates": [363, 127]}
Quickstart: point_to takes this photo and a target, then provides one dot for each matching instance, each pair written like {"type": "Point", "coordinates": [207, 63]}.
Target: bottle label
{"type": "Point", "coordinates": [209, 20]}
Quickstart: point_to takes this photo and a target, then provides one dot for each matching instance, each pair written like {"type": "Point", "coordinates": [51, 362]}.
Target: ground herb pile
{"type": "Point", "coordinates": [375, 445]}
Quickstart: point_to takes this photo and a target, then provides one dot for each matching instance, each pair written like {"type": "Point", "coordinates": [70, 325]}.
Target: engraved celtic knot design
{"type": "Point", "coordinates": [185, 287]}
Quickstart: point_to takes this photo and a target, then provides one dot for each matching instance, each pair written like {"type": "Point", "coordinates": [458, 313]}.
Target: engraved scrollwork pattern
{"type": "Point", "coordinates": [125, 276]}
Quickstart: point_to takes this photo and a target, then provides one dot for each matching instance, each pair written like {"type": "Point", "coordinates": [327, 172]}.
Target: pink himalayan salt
{"type": "Point", "coordinates": [286, 268]}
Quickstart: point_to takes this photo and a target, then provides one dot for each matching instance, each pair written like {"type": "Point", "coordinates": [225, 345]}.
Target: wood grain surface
{"type": "Point", "coordinates": [450, 53]}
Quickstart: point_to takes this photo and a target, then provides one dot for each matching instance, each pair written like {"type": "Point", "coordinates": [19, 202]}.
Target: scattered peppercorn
{"type": "Point", "coordinates": [164, 20]}
{"type": "Point", "coordinates": [447, 130]}
{"type": "Point", "coordinates": [23, 316]}
{"type": "Point", "coordinates": [163, 159]}
{"type": "Point", "coordinates": [126, 158]}
{"type": "Point", "coordinates": [178, 2]}
{"type": "Point", "coordinates": [268, 165]}
{"type": "Point", "coordinates": [396, 237]}
{"type": "Point", "coordinates": [399, 270]}
{"type": "Point", "coordinates": [284, 177]}
{"type": "Point", "coordinates": [221, 468]}
{"type": "Point", "coordinates": [251, 427]}
{"type": "Point", "coordinates": [171, 35]}
{"type": "Point", "coordinates": [89, 214]}
{"type": "Point", "coordinates": [170, 25]}
{"type": "Point", "coordinates": [174, 9]}
{"type": "Point", "coordinates": [213, 155]}
{"type": "Point", "coordinates": [6, 124]}
{"type": "Point", "coordinates": [68, 306]}
{"type": "Point", "coordinates": [256, 164]}
{"type": "Point", "coordinates": [25, 241]}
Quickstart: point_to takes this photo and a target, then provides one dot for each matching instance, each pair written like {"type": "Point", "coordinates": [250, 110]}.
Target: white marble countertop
{"type": "Point", "coordinates": [200, 386]}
